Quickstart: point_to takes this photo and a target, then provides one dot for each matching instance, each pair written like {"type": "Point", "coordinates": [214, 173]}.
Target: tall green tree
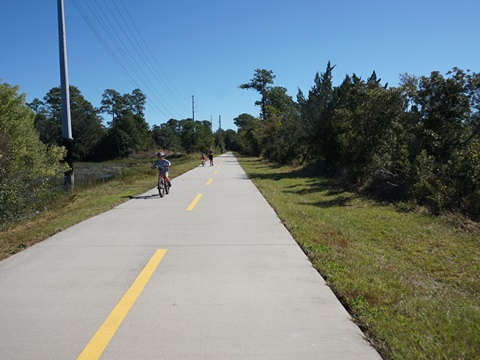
{"type": "Point", "coordinates": [196, 135]}
{"type": "Point", "coordinates": [371, 134]}
{"type": "Point", "coordinates": [261, 81]}
{"type": "Point", "coordinates": [281, 128]}
{"type": "Point", "coordinates": [128, 130]}
{"type": "Point", "coordinates": [28, 166]}
{"type": "Point", "coordinates": [112, 103]}
{"type": "Point", "coordinates": [49, 128]}
{"type": "Point", "coordinates": [232, 140]}
{"type": "Point", "coordinates": [166, 137]}
{"type": "Point", "coordinates": [87, 128]}
{"type": "Point", "coordinates": [445, 122]}
{"type": "Point", "coordinates": [248, 132]}
{"type": "Point", "coordinates": [317, 114]}
{"type": "Point", "coordinates": [447, 109]}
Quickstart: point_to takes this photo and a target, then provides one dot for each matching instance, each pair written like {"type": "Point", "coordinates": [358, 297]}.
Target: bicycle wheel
{"type": "Point", "coordinates": [167, 188]}
{"type": "Point", "coordinates": [161, 186]}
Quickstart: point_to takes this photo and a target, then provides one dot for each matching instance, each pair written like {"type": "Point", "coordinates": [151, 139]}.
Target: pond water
{"type": "Point", "coordinates": [87, 174]}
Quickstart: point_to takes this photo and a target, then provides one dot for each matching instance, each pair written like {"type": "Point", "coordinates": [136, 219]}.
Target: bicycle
{"type": "Point", "coordinates": [163, 187]}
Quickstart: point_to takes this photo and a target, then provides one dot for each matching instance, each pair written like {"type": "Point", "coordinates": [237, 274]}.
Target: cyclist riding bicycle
{"type": "Point", "coordinates": [163, 166]}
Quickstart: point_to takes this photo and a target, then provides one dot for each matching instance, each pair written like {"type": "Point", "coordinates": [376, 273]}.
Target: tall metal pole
{"type": "Point", "coordinates": [66, 119]}
{"type": "Point", "coordinates": [193, 108]}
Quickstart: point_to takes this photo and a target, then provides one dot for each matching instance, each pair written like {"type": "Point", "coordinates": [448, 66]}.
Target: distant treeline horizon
{"type": "Point", "coordinates": [416, 144]}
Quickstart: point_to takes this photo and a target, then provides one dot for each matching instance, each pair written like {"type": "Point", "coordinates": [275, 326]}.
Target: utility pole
{"type": "Point", "coordinates": [193, 108]}
{"type": "Point", "coordinates": [66, 119]}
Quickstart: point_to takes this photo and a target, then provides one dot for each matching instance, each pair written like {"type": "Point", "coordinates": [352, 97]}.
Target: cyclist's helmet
{"type": "Point", "coordinates": [160, 154]}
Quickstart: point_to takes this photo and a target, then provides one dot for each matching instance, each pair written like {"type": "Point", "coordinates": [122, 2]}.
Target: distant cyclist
{"type": "Point", "coordinates": [163, 166]}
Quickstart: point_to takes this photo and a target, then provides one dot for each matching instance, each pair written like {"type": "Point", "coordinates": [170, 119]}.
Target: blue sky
{"type": "Point", "coordinates": [175, 49]}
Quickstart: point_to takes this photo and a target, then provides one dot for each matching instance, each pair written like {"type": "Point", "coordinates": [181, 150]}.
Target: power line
{"type": "Point", "coordinates": [146, 78]}
{"type": "Point", "coordinates": [127, 59]}
{"type": "Point", "coordinates": [109, 49]}
{"type": "Point", "coordinates": [126, 53]}
{"type": "Point", "coordinates": [172, 93]}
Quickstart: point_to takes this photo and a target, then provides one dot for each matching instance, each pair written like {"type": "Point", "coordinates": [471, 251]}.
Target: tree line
{"type": "Point", "coordinates": [418, 142]}
{"type": "Point", "coordinates": [31, 151]}
{"type": "Point", "coordinates": [126, 130]}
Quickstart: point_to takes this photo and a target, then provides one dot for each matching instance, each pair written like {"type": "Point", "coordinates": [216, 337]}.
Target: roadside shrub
{"type": "Point", "coordinates": [450, 186]}
{"type": "Point", "coordinates": [463, 171]}
{"type": "Point", "coordinates": [29, 168]}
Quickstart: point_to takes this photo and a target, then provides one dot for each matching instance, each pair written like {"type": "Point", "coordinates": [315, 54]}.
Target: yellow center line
{"type": "Point", "coordinates": [209, 181]}
{"type": "Point", "coordinates": [102, 337]}
{"type": "Point", "coordinates": [194, 202]}
{"type": "Point", "coordinates": [216, 172]}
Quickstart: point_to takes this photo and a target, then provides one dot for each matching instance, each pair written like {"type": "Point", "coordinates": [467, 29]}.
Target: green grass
{"type": "Point", "coordinates": [410, 280]}
{"type": "Point", "coordinates": [87, 201]}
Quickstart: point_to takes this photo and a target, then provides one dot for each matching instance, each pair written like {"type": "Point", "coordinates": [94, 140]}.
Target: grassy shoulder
{"type": "Point", "coordinates": [85, 202]}
{"type": "Point", "coordinates": [410, 280]}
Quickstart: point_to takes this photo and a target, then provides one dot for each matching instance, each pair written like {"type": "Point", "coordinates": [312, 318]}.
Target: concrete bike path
{"type": "Point", "coordinates": [228, 282]}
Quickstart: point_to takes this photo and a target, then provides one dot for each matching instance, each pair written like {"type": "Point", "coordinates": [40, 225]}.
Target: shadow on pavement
{"type": "Point", "coordinates": [144, 197]}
